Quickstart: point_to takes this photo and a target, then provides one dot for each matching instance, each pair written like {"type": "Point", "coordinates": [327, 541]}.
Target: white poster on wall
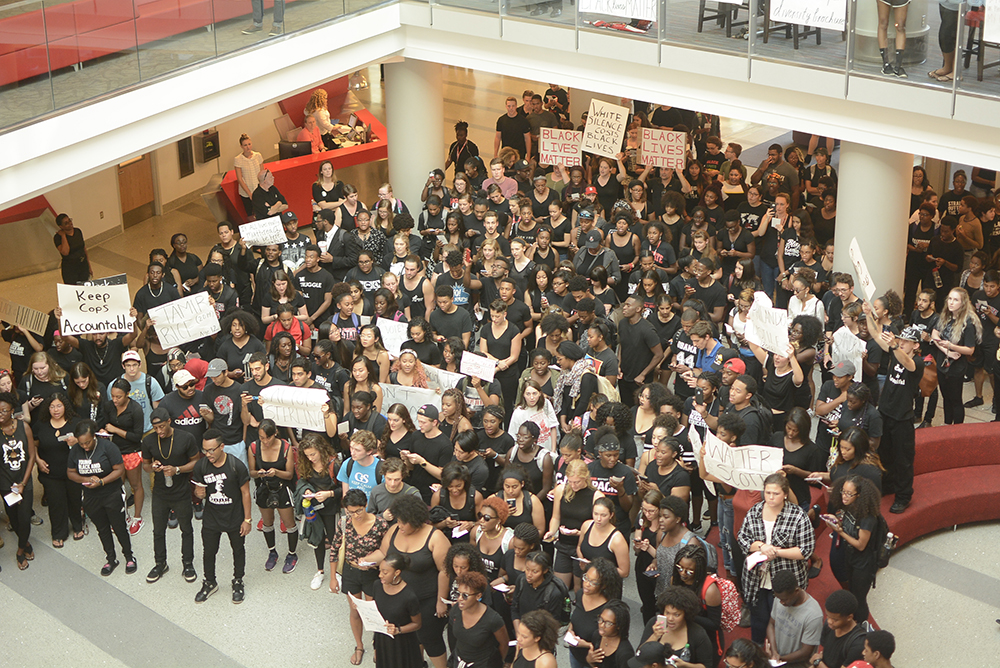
{"type": "Point", "coordinates": [816, 13]}
{"type": "Point", "coordinates": [630, 9]}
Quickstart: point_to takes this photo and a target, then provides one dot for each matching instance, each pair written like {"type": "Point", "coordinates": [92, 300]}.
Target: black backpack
{"type": "Point", "coordinates": [556, 590]}
{"type": "Point", "coordinates": [883, 546]}
{"type": "Point", "coordinates": [378, 471]}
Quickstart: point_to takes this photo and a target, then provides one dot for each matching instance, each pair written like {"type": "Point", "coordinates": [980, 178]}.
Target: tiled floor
{"type": "Point", "coordinates": [948, 583]}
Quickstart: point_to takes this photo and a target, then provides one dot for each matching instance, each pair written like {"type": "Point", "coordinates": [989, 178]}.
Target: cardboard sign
{"type": "Point", "coordinates": [263, 232]}
{"type": "Point", "coordinates": [743, 467]}
{"type": "Point", "coordinates": [94, 309]}
{"type": "Point", "coordinates": [846, 346]}
{"type": "Point", "coordinates": [663, 148]}
{"type": "Point", "coordinates": [817, 13]}
{"type": "Point", "coordinates": [32, 320]}
{"type": "Point", "coordinates": [864, 276]}
{"type": "Point", "coordinates": [184, 320]}
{"type": "Point", "coordinates": [560, 147]}
{"type": "Point", "coordinates": [393, 335]}
{"type": "Point", "coordinates": [767, 326]}
{"type": "Point", "coordinates": [605, 128]}
{"type": "Point", "coordinates": [411, 397]}
{"type": "Point", "coordinates": [630, 9]}
{"type": "Point", "coordinates": [295, 406]}
{"type": "Point", "coordinates": [478, 366]}
{"type": "Point", "coordinates": [439, 379]}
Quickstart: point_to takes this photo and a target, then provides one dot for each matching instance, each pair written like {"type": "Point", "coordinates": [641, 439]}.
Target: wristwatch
{"type": "Point", "coordinates": [248, 521]}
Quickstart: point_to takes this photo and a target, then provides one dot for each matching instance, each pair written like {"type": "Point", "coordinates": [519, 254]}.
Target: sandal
{"type": "Point", "coordinates": [22, 561]}
{"type": "Point", "coordinates": [359, 654]}
{"type": "Point", "coordinates": [29, 553]}
{"type": "Point", "coordinates": [79, 535]}
{"type": "Point", "coordinates": [58, 544]}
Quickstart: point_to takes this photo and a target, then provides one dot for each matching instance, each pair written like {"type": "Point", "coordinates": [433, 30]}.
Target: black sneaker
{"type": "Point", "coordinates": [157, 572]}
{"type": "Point", "coordinates": [172, 520]}
{"type": "Point", "coordinates": [190, 575]}
{"type": "Point", "coordinates": [109, 568]}
{"type": "Point", "coordinates": [207, 589]}
{"type": "Point", "coordinates": [974, 402]}
{"type": "Point", "coordinates": [237, 591]}
{"type": "Point", "coordinates": [899, 71]}
{"type": "Point", "coordinates": [199, 509]}
{"type": "Point", "coordinates": [899, 507]}
{"type": "Point", "coordinates": [131, 566]}
{"type": "Point", "coordinates": [888, 70]}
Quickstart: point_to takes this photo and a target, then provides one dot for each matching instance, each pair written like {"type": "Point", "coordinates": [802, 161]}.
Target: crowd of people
{"type": "Point", "coordinates": [616, 302]}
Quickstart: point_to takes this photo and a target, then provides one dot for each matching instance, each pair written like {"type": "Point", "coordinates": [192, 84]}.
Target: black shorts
{"type": "Point", "coordinates": [564, 557]}
{"type": "Point", "coordinates": [279, 497]}
{"type": "Point", "coordinates": [990, 359]}
{"type": "Point", "coordinates": [895, 3]}
{"type": "Point", "coordinates": [977, 358]}
{"type": "Point", "coordinates": [356, 581]}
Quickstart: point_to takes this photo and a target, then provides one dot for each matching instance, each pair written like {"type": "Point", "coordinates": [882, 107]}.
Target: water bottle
{"type": "Point", "coordinates": [168, 480]}
{"type": "Point", "coordinates": [890, 541]}
{"type": "Point", "coordinates": [307, 509]}
{"type": "Point", "coordinates": [937, 277]}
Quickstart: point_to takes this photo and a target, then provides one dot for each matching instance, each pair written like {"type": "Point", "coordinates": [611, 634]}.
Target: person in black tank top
{"type": "Point", "coordinates": [536, 646]}
{"type": "Point", "coordinates": [456, 487]}
{"type": "Point", "coordinates": [573, 506]}
{"type": "Point", "coordinates": [418, 301]}
{"type": "Point", "coordinates": [272, 466]}
{"type": "Point", "coordinates": [524, 506]}
{"type": "Point", "coordinates": [614, 546]}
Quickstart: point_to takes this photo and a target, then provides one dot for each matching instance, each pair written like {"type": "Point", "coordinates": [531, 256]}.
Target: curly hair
{"type": "Point", "coordinates": [542, 625]}
{"type": "Point", "coordinates": [245, 319]}
{"type": "Point", "coordinates": [499, 506]}
{"type": "Point", "coordinates": [609, 581]}
{"type": "Point", "coordinates": [811, 330]}
{"type": "Point", "coordinates": [409, 510]}
{"type": "Point", "coordinates": [682, 599]}
{"type": "Point", "coordinates": [477, 582]}
{"type": "Point", "coordinates": [620, 414]}
{"type": "Point", "coordinates": [61, 397]}
{"type": "Point", "coordinates": [471, 554]}
{"type": "Point", "coordinates": [319, 443]}
{"type": "Point", "coordinates": [867, 502]}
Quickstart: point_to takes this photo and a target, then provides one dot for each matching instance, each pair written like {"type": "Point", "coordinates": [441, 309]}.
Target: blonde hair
{"type": "Point", "coordinates": [958, 322]}
{"type": "Point", "coordinates": [56, 373]}
{"type": "Point", "coordinates": [578, 468]}
{"type": "Point", "coordinates": [492, 243]}
{"type": "Point", "coordinates": [316, 101]}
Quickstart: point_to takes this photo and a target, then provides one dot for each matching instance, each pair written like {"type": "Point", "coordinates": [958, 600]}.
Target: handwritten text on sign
{"type": "Point", "coordinates": [632, 9]}
{"type": "Point", "coordinates": [663, 148]}
{"type": "Point", "coordinates": [605, 128]}
{"type": "Point", "coordinates": [864, 276]}
{"type": "Point", "coordinates": [184, 320]}
{"type": "Point", "coordinates": [411, 397]}
{"type": "Point", "coordinates": [393, 335]}
{"type": "Point", "coordinates": [478, 366]}
{"type": "Point", "coordinates": [767, 327]}
{"type": "Point", "coordinates": [294, 406]}
{"type": "Point", "coordinates": [32, 320]}
{"type": "Point", "coordinates": [94, 309]}
{"type": "Point", "coordinates": [263, 232]}
{"type": "Point", "coordinates": [817, 13]}
{"type": "Point", "coordinates": [559, 147]}
{"type": "Point", "coordinates": [744, 467]}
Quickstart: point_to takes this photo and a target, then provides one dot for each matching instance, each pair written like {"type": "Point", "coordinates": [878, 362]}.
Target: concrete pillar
{"type": "Point", "coordinates": [873, 205]}
{"type": "Point", "coordinates": [414, 107]}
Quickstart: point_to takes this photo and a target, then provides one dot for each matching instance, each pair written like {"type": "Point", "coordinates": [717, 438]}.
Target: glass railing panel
{"type": "Point", "coordinates": [172, 34]}
{"type": "Point", "coordinates": [720, 26]}
{"type": "Point", "coordinates": [803, 36]}
{"type": "Point", "coordinates": [977, 59]}
{"type": "Point", "coordinates": [920, 53]}
{"type": "Point", "coordinates": [546, 11]}
{"type": "Point", "coordinates": [24, 63]}
{"type": "Point", "coordinates": [486, 6]}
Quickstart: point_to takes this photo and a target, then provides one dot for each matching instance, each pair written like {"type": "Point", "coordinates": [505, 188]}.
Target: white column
{"type": "Point", "coordinates": [873, 203]}
{"type": "Point", "coordinates": [414, 107]}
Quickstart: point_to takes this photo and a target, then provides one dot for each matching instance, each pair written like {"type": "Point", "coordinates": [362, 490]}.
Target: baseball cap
{"type": "Point", "coordinates": [183, 377]}
{"type": "Point", "coordinates": [521, 164]}
{"type": "Point", "coordinates": [585, 213]}
{"type": "Point", "coordinates": [735, 365]}
{"type": "Point", "coordinates": [909, 333]}
{"type": "Point", "coordinates": [131, 355]}
{"type": "Point", "coordinates": [723, 356]}
{"type": "Point", "coordinates": [428, 411]}
{"type": "Point", "coordinates": [288, 215]}
{"type": "Point", "coordinates": [647, 654]}
{"type": "Point", "coordinates": [590, 190]}
{"type": "Point", "coordinates": [592, 239]}
{"type": "Point", "coordinates": [844, 368]}
{"type": "Point", "coordinates": [159, 414]}
{"type": "Point", "coordinates": [216, 367]}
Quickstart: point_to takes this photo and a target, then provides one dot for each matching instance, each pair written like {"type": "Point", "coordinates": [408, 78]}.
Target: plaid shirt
{"type": "Point", "coordinates": [791, 529]}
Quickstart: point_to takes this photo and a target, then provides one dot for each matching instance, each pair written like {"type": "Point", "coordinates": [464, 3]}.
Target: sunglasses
{"type": "Point", "coordinates": [483, 516]}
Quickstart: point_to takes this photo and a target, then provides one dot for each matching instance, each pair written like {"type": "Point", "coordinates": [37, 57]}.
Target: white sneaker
{"type": "Point", "coordinates": [317, 581]}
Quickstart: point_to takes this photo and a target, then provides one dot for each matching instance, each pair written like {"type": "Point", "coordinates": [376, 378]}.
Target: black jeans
{"type": "Point", "coordinates": [107, 512]}
{"type": "Point", "coordinates": [932, 402]}
{"type": "Point", "coordinates": [896, 452]}
{"type": "Point", "coordinates": [330, 530]}
{"type": "Point", "coordinates": [181, 505]}
{"type": "Point", "coordinates": [65, 505]}
{"type": "Point", "coordinates": [951, 397]}
{"type": "Point", "coordinates": [20, 515]}
{"type": "Point", "coordinates": [210, 541]}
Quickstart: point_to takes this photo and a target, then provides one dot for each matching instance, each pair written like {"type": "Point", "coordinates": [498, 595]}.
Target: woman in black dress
{"type": "Point", "coordinates": [601, 584]}
{"type": "Point", "coordinates": [15, 475]}
{"type": "Point", "coordinates": [644, 545]}
{"type": "Point", "coordinates": [479, 632]}
{"type": "Point", "coordinates": [400, 608]}
{"type": "Point", "coordinates": [55, 438]}
{"type": "Point", "coordinates": [184, 267]}
{"type": "Point", "coordinates": [501, 341]}
{"type": "Point", "coordinates": [125, 424]}
{"type": "Point", "coordinates": [610, 647]}
{"type": "Point", "coordinates": [536, 637]}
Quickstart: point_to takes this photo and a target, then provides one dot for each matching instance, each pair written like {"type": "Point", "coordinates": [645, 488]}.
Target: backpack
{"type": "Point", "coordinates": [556, 589]}
{"type": "Point", "coordinates": [883, 551]}
{"type": "Point", "coordinates": [730, 600]}
{"type": "Point", "coordinates": [605, 387]}
{"type": "Point", "coordinates": [149, 386]}
{"type": "Point", "coordinates": [710, 551]}
{"type": "Point", "coordinates": [378, 471]}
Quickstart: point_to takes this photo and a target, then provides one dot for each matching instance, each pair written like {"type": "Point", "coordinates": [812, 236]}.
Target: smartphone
{"type": "Point", "coordinates": [699, 396]}
{"type": "Point", "coordinates": [653, 574]}
{"type": "Point", "coordinates": [511, 503]}
{"type": "Point", "coordinates": [661, 619]}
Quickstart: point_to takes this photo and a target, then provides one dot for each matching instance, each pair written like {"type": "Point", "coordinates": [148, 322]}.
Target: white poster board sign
{"type": "Point", "coordinates": [92, 309]}
{"type": "Point", "coordinates": [117, 279]}
{"type": "Point", "coordinates": [605, 128]}
{"type": "Point", "coordinates": [991, 22]}
{"type": "Point", "coordinates": [263, 232]}
{"type": "Point", "coordinates": [295, 406]}
{"type": "Point", "coordinates": [370, 616]}
{"type": "Point", "coordinates": [630, 9]}
{"type": "Point", "coordinates": [478, 366]}
{"type": "Point", "coordinates": [864, 276]}
{"type": "Point", "coordinates": [32, 320]}
{"type": "Point", "coordinates": [767, 326]}
{"type": "Point", "coordinates": [560, 147]}
{"type": "Point", "coordinates": [816, 13]}
{"type": "Point", "coordinates": [663, 148]}
{"type": "Point", "coordinates": [393, 335]}
{"type": "Point", "coordinates": [183, 320]}
{"type": "Point", "coordinates": [411, 397]}
{"type": "Point", "coordinates": [848, 347]}
{"type": "Point", "coordinates": [743, 467]}
{"type": "Point", "coordinates": [439, 379]}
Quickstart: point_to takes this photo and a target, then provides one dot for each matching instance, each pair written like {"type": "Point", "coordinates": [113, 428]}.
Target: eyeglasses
{"type": "Point", "coordinates": [482, 516]}
{"type": "Point", "coordinates": [590, 581]}
{"type": "Point", "coordinates": [606, 622]}
{"type": "Point", "coordinates": [726, 663]}
{"type": "Point", "coordinates": [849, 495]}
{"type": "Point", "coordinates": [355, 513]}
{"type": "Point", "coordinates": [466, 597]}
{"type": "Point", "coordinates": [685, 571]}
{"type": "Point", "coordinates": [208, 451]}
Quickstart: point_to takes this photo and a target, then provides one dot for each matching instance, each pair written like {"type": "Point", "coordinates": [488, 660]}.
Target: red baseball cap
{"type": "Point", "coordinates": [735, 365]}
{"type": "Point", "coordinates": [590, 190]}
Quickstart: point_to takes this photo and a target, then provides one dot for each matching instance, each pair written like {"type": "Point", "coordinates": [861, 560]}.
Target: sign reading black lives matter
{"type": "Point", "coordinates": [605, 129]}
{"type": "Point", "coordinates": [94, 309]}
{"type": "Point", "coordinates": [184, 320]}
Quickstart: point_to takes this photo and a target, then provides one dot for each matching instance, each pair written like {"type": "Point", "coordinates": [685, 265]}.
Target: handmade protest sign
{"type": "Point", "coordinates": [439, 379]}
{"type": "Point", "coordinates": [743, 467]}
{"type": "Point", "coordinates": [393, 335]}
{"type": "Point", "coordinates": [817, 13]}
{"type": "Point", "coordinates": [631, 9]}
{"type": "Point", "coordinates": [847, 346]}
{"type": "Point", "coordinates": [559, 147]}
{"type": "Point", "coordinates": [183, 320]}
{"type": "Point", "coordinates": [32, 320]}
{"type": "Point", "coordinates": [767, 326]}
{"type": "Point", "coordinates": [295, 406]}
{"type": "Point", "coordinates": [263, 232]}
{"type": "Point", "coordinates": [371, 618]}
{"type": "Point", "coordinates": [117, 279]}
{"type": "Point", "coordinates": [663, 148]}
{"type": "Point", "coordinates": [478, 366]}
{"type": "Point", "coordinates": [864, 276]}
{"type": "Point", "coordinates": [92, 309]}
{"type": "Point", "coordinates": [605, 128]}
{"type": "Point", "coordinates": [411, 397]}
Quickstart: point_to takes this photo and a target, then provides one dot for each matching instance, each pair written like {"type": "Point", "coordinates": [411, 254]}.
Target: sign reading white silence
{"type": "Point", "coordinates": [767, 327]}
{"type": "Point", "coordinates": [663, 148]}
{"type": "Point", "coordinates": [605, 128]}
{"type": "Point", "coordinates": [263, 232]}
{"type": "Point", "coordinates": [93, 309]}
{"type": "Point", "coordinates": [864, 276]}
{"type": "Point", "coordinates": [630, 9]}
{"type": "Point", "coordinates": [817, 13]}
{"type": "Point", "coordinates": [184, 320]}
{"type": "Point", "coordinates": [743, 467]}
{"type": "Point", "coordinates": [23, 316]}
{"type": "Point", "coordinates": [478, 366]}
{"type": "Point", "coordinates": [559, 147]}
{"type": "Point", "coordinates": [295, 406]}
{"type": "Point", "coordinates": [411, 397]}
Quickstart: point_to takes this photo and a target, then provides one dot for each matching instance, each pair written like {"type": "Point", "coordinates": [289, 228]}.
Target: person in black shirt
{"type": "Point", "coordinates": [945, 254]}
{"type": "Point", "coordinates": [170, 455]}
{"type": "Point", "coordinates": [267, 201]}
{"type": "Point", "coordinates": [222, 408]}
{"type": "Point", "coordinates": [986, 302]}
{"type": "Point", "coordinates": [316, 285]}
{"type": "Point", "coordinates": [513, 130]}
{"type": "Point", "coordinates": [63, 353]}
{"type": "Point", "coordinates": [222, 297]}
{"type": "Point", "coordinates": [251, 412]}
{"type": "Point", "coordinates": [843, 639]}
{"type": "Point", "coordinates": [447, 319]}
{"type": "Point", "coordinates": [155, 292]}
{"type": "Point", "coordinates": [69, 242]}
{"type": "Point", "coordinates": [183, 405]}
{"type": "Point", "coordinates": [430, 446]}
{"type": "Point", "coordinates": [223, 482]}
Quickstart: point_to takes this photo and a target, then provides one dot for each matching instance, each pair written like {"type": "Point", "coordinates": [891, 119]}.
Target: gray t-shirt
{"type": "Point", "coordinates": [796, 625]}
{"type": "Point", "coordinates": [380, 498]}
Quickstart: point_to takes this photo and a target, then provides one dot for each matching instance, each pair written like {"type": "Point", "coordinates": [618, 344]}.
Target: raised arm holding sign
{"type": "Point", "coordinates": [663, 148]}
{"type": "Point", "coordinates": [94, 309]}
{"type": "Point", "coordinates": [743, 467]}
{"type": "Point", "coordinates": [265, 232]}
{"type": "Point", "coordinates": [605, 128]}
{"type": "Point", "coordinates": [559, 147]}
{"type": "Point", "coordinates": [184, 320]}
